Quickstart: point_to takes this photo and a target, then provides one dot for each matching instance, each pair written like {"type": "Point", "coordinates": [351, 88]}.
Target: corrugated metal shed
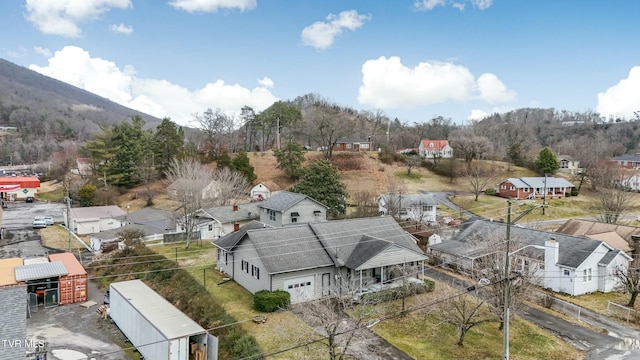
{"type": "Point", "coordinates": [40, 271]}
{"type": "Point", "coordinates": [165, 317]}
{"type": "Point", "coordinates": [7, 271]}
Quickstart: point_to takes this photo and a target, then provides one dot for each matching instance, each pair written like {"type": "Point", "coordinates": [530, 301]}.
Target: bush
{"type": "Point", "coordinates": [398, 292]}
{"type": "Point", "coordinates": [270, 301]}
{"type": "Point", "coordinates": [490, 192]}
{"type": "Point", "coordinates": [574, 192]}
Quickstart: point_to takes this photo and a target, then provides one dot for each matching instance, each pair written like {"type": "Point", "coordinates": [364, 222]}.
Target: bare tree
{"type": "Point", "coordinates": [470, 146]}
{"type": "Point", "coordinates": [613, 198]}
{"type": "Point", "coordinates": [478, 176]}
{"type": "Point", "coordinates": [232, 186]}
{"type": "Point", "coordinates": [217, 130]}
{"type": "Point", "coordinates": [188, 180]}
{"type": "Point", "coordinates": [630, 278]}
{"type": "Point", "coordinates": [330, 123]}
{"type": "Point", "coordinates": [365, 203]}
{"type": "Point", "coordinates": [465, 312]}
{"type": "Point", "coordinates": [412, 161]}
{"type": "Point", "coordinates": [393, 197]}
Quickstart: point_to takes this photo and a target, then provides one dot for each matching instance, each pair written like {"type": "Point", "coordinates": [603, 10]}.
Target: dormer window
{"type": "Point", "coordinates": [317, 212]}
{"type": "Point", "coordinates": [430, 145]}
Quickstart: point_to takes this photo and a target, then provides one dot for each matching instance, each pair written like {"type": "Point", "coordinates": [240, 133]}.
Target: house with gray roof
{"type": "Point", "coordinates": [92, 219]}
{"type": "Point", "coordinates": [289, 208]}
{"type": "Point", "coordinates": [157, 218]}
{"type": "Point", "coordinates": [417, 207]}
{"type": "Point", "coordinates": [534, 188]}
{"type": "Point", "coordinates": [318, 259]}
{"type": "Point", "coordinates": [217, 221]}
{"type": "Point", "coordinates": [568, 264]}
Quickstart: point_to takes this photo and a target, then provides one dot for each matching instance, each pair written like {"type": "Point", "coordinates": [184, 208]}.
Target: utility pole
{"type": "Point", "coordinates": [278, 132]}
{"type": "Point", "coordinates": [67, 187]}
{"type": "Point", "coordinates": [544, 195]}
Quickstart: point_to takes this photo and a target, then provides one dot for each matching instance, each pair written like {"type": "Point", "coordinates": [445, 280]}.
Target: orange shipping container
{"type": "Point", "coordinates": [73, 286]}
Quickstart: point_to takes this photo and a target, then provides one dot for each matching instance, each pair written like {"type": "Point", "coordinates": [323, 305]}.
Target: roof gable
{"type": "Point", "coordinates": [284, 200]}
{"type": "Point", "coordinates": [229, 241]}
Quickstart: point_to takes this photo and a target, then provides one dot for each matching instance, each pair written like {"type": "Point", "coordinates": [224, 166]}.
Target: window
{"type": "Point", "coordinates": [525, 189]}
{"type": "Point", "coordinates": [426, 208]}
{"type": "Point", "coordinates": [512, 187]}
{"type": "Point", "coordinates": [245, 266]}
{"type": "Point", "coordinates": [255, 272]}
{"type": "Point", "coordinates": [586, 275]}
{"type": "Point", "coordinates": [364, 146]}
{"type": "Point", "coordinates": [567, 272]}
{"type": "Point", "coordinates": [348, 146]}
{"type": "Point", "coordinates": [317, 212]}
{"type": "Point", "coordinates": [210, 227]}
{"type": "Point", "coordinates": [294, 220]}
{"type": "Point", "coordinates": [272, 215]}
{"type": "Point", "coordinates": [295, 214]}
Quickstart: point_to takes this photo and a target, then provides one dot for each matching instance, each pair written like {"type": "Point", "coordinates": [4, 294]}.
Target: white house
{"type": "Point", "coordinates": [630, 181]}
{"type": "Point", "coordinates": [568, 164]}
{"type": "Point", "coordinates": [215, 222]}
{"type": "Point", "coordinates": [264, 190]}
{"type": "Point", "coordinates": [416, 207]}
{"type": "Point", "coordinates": [92, 219]}
{"type": "Point", "coordinates": [562, 263]}
{"type": "Point", "coordinates": [289, 208]}
{"type": "Point", "coordinates": [435, 149]}
{"type": "Point", "coordinates": [319, 259]}
{"type": "Point", "coordinates": [207, 189]}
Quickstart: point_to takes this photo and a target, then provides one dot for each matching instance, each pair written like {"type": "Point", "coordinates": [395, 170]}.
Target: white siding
{"type": "Point", "coordinates": [306, 209]}
{"type": "Point", "coordinates": [278, 280]}
{"type": "Point", "coordinates": [137, 329]}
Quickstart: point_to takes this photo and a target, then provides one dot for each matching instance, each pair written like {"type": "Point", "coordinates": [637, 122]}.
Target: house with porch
{"type": "Point", "coordinates": [416, 207]}
{"type": "Point", "coordinates": [435, 149]}
{"type": "Point", "coordinates": [352, 145]}
{"type": "Point", "coordinates": [562, 263]}
{"type": "Point", "coordinates": [627, 161]}
{"type": "Point", "coordinates": [319, 259]}
{"type": "Point", "coordinates": [534, 188]}
{"type": "Point", "coordinates": [289, 208]}
{"type": "Point", "coordinates": [217, 221]}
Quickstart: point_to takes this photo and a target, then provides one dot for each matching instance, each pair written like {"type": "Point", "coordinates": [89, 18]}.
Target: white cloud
{"type": "Point", "coordinates": [621, 100]}
{"type": "Point", "coordinates": [387, 83]}
{"type": "Point", "coordinates": [121, 29]}
{"type": "Point", "coordinates": [42, 51]}
{"type": "Point", "coordinates": [155, 97]}
{"type": "Point", "coordinates": [266, 82]}
{"type": "Point", "coordinates": [321, 35]}
{"type": "Point", "coordinates": [61, 17]}
{"type": "Point", "coordinates": [477, 114]}
{"type": "Point", "coordinates": [192, 6]}
{"type": "Point", "coordinates": [493, 90]}
{"type": "Point", "coordinates": [428, 5]}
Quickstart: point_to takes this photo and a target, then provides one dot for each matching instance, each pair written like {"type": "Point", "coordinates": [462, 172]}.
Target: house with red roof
{"type": "Point", "coordinates": [435, 149]}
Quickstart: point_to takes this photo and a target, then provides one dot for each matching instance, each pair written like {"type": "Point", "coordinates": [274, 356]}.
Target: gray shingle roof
{"type": "Point", "coordinates": [288, 249]}
{"type": "Point", "coordinates": [365, 250]}
{"type": "Point", "coordinates": [538, 182]}
{"type": "Point", "coordinates": [229, 241]}
{"type": "Point", "coordinates": [148, 214]}
{"type": "Point", "coordinates": [115, 233]}
{"type": "Point", "coordinates": [340, 237]}
{"type": "Point", "coordinates": [627, 157]}
{"type": "Point", "coordinates": [40, 271]}
{"type": "Point", "coordinates": [226, 215]}
{"type": "Point", "coordinates": [609, 257]}
{"type": "Point", "coordinates": [407, 200]}
{"type": "Point", "coordinates": [573, 251]}
{"type": "Point", "coordinates": [283, 200]}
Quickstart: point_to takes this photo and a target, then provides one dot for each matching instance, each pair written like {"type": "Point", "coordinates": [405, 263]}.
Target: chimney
{"type": "Point", "coordinates": [236, 227]}
{"type": "Point", "coordinates": [235, 207]}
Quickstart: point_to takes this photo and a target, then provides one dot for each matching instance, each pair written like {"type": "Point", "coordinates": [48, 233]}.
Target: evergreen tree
{"type": "Point", "coordinates": [87, 195]}
{"type": "Point", "coordinates": [242, 165]}
{"type": "Point", "coordinates": [168, 142]}
{"type": "Point", "coordinates": [321, 181]}
{"type": "Point", "coordinates": [290, 159]}
{"type": "Point", "coordinates": [223, 160]}
{"type": "Point", "coordinates": [547, 162]}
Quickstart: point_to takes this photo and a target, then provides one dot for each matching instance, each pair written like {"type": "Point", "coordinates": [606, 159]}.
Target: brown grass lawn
{"type": "Point", "coordinates": [58, 238]}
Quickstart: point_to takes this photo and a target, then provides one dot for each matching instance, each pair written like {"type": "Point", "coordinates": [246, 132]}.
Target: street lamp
{"type": "Point", "coordinates": [505, 317]}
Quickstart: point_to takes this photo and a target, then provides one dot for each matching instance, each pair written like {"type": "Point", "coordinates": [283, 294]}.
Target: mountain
{"type": "Point", "coordinates": [27, 98]}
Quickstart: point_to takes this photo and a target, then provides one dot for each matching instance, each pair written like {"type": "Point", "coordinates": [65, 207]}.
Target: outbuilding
{"type": "Point", "coordinates": [73, 286]}
{"type": "Point", "coordinates": [19, 187]}
{"type": "Point", "coordinates": [7, 271]}
{"type": "Point", "coordinates": [157, 328]}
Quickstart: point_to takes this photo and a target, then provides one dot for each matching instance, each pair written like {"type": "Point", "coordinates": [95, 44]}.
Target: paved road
{"type": "Point", "coordinates": [443, 197]}
{"type": "Point", "coordinates": [19, 215]}
{"type": "Point", "coordinates": [618, 343]}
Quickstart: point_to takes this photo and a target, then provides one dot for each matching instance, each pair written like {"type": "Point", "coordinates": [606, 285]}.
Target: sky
{"type": "Point", "coordinates": [413, 59]}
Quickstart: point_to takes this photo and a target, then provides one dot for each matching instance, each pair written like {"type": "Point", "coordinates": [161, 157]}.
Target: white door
{"type": "Point", "coordinates": [301, 288]}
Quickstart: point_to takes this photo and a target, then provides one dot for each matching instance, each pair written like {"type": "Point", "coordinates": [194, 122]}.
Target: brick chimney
{"type": "Point", "coordinates": [236, 227]}
{"type": "Point", "coordinates": [235, 207]}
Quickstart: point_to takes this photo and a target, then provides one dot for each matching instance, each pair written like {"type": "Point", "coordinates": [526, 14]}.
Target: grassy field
{"type": "Point", "coordinates": [58, 237]}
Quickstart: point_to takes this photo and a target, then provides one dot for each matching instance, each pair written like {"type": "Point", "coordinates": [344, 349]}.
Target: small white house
{"type": "Point", "coordinates": [417, 207]}
{"type": "Point", "coordinates": [435, 149]}
{"type": "Point", "coordinates": [264, 190]}
{"type": "Point", "coordinates": [92, 219]}
{"type": "Point", "coordinates": [215, 222]}
{"type": "Point", "coordinates": [568, 164]}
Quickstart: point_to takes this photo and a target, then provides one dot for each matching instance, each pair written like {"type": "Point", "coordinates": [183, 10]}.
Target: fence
{"type": "Point", "coordinates": [617, 309]}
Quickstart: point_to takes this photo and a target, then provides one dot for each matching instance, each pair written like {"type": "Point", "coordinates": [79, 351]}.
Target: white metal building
{"type": "Point", "coordinates": [157, 328]}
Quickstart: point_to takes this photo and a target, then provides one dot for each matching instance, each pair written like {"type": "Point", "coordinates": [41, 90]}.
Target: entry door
{"type": "Point", "coordinates": [326, 284]}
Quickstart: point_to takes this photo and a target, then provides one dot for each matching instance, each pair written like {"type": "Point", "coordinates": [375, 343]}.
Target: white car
{"type": "Point", "coordinates": [48, 220]}
{"type": "Point", "coordinates": [39, 223]}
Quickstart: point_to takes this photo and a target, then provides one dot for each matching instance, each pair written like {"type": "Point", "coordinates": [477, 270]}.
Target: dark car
{"type": "Point", "coordinates": [29, 199]}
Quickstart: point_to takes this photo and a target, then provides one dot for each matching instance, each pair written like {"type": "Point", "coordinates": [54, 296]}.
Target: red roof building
{"type": "Point", "coordinates": [18, 187]}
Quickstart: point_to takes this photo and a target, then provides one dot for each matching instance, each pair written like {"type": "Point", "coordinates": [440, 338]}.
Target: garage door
{"type": "Point", "coordinates": [301, 288]}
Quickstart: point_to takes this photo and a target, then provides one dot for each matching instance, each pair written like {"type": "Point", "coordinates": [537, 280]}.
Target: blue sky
{"type": "Point", "coordinates": [414, 60]}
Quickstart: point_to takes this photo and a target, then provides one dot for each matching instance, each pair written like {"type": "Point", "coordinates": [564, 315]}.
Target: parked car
{"type": "Point", "coordinates": [48, 220]}
{"type": "Point", "coordinates": [29, 199]}
{"type": "Point", "coordinates": [39, 223]}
